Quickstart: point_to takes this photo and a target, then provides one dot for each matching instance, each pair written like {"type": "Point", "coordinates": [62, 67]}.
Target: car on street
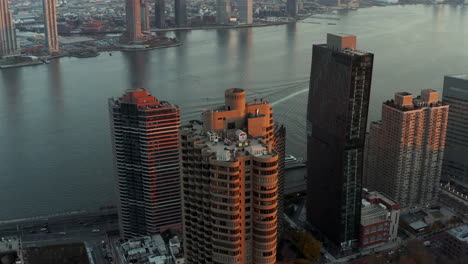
{"type": "Point", "coordinates": [96, 230]}
{"type": "Point", "coordinates": [44, 229]}
{"type": "Point", "coordinates": [62, 233]}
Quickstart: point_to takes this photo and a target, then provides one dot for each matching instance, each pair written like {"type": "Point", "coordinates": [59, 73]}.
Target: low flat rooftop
{"type": "Point", "coordinates": [460, 233]}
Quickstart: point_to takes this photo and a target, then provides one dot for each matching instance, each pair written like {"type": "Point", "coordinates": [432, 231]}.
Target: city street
{"type": "Point", "coordinates": [89, 228]}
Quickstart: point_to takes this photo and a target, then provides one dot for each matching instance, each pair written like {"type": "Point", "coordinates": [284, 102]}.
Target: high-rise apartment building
{"type": "Point", "coordinates": [160, 14]}
{"type": "Point", "coordinates": [230, 183]}
{"type": "Point", "coordinates": [50, 24]}
{"type": "Point", "coordinates": [145, 16]}
{"type": "Point", "coordinates": [133, 18]}
{"type": "Point", "coordinates": [455, 164]}
{"type": "Point", "coordinates": [406, 148]}
{"type": "Point", "coordinates": [292, 7]}
{"type": "Point", "coordinates": [181, 13]}
{"type": "Point", "coordinates": [145, 137]}
{"type": "Point", "coordinates": [245, 11]}
{"type": "Point", "coordinates": [223, 11]}
{"type": "Point", "coordinates": [8, 44]}
{"type": "Point", "coordinates": [337, 112]}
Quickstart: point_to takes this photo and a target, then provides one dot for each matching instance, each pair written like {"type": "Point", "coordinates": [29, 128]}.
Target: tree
{"type": "Point", "coordinates": [307, 244]}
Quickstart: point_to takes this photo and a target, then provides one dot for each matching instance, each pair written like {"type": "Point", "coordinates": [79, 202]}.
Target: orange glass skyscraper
{"type": "Point", "coordinates": [145, 137]}
{"type": "Point", "coordinates": [133, 17]}
{"type": "Point", "coordinates": [406, 148]}
{"type": "Point", "coordinates": [230, 183]}
{"type": "Point", "coordinates": [8, 43]}
{"type": "Point", "coordinates": [50, 23]}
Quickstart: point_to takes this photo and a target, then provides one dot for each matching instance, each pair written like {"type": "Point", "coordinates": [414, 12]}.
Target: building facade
{"type": "Point", "coordinates": [337, 112]}
{"type": "Point", "coordinates": [292, 7]}
{"type": "Point", "coordinates": [223, 11]}
{"type": "Point", "coordinates": [145, 16]}
{"type": "Point", "coordinates": [50, 25]}
{"type": "Point", "coordinates": [133, 19]}
{"type": "Point", "coordinates": [406, 149]}
{"type": "Point", "coordinates": [8, 43]}
{"type": "Point", "coordinates": [380, 217]}
{"type": "Point", "coordinates": [455, 165]}
{"type": "Point", "coordinates": [160, 14]}
{"type": "Point", "coordinates": [455, 243]}
{"type": "Point", "coordinates": [181, 13]}
{"type": "Point", "coordinates": [245, 11]}
{"type": "Point", "coordinates": [145, 138]}
{"type": "Point", "coordinates": [230, 176]}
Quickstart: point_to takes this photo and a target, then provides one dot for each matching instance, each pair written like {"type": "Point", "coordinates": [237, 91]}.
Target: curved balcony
{"type": "Point", "coordinates": [265, 260]}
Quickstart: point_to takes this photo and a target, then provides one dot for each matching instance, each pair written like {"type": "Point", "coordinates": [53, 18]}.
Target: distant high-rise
{"type": "Point", "coordinates": [455, 165]}
{"type": "Point", "coordinates": [245, 11]}
{"type": "Point", "coordinates": [292, 7]}
{"type": "Point", "coordinates": [160, 14]}
{"type": "Point", "coordinates": [145, 16]}
{"type": "Point", "coordinates": [340, 83]}
{"type": "Point", "coordinates": [230, 183]}
{"type": "Point", "coordinates": [8, 44]}
{"type": "Point", "coordinates": [181, 13]}
{"type": "Point", "coordinates": [223, 11]}
{"type": "Point", "coordinates": [133, 17]}
{"type": "Point", "coordinates": [50, 23]}
{"type": "Point", "coordinates": [406, 148]}
{"type": "Point", "coordinates": [145, 138]}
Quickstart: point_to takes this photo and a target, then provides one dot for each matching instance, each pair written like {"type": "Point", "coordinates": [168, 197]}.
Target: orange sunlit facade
{"type": "Point", "coordinates": [230, 183]}
{"type": "Point", "coordinates": [406, 148]}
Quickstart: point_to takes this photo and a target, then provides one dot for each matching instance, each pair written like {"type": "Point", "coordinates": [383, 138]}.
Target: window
{"type": "Point", "coordinates": [231, 125]}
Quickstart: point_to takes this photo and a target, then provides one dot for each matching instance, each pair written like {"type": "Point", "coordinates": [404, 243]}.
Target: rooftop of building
{"type": "Point", "coordinates": [228, 146]}
{"type": "Point", "coordinates": [462, 76]}
{"type": "Point", "coordinates": [378, 197]}
{"type": "Point", "coordinates": [344, 43]}
{"type": "Point", "coordinates": [460, 233]}
{"type": "Point", "coordinates": [62, 253]}
{"type": "Point", "coordinates": [372, 213]}
{"type": "Point", "coordinates": [405, 101]}
{"type": "Point", "coordinates": [149, 250]}
{"type": "Point", "coordinates": [141, 97]}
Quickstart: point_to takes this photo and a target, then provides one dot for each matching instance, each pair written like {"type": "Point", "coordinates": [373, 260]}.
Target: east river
{"type": "Point", "coordinates": [55, 151]}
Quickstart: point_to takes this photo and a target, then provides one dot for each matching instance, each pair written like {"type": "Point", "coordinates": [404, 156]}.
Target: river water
{"type": "Point", "coordinates": [55, 152]}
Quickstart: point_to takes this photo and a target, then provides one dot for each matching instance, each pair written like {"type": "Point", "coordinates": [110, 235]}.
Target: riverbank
{"type": "Point", "coordinates": [224, 27]}
{"type": "Point", "coordinates": [22, 64]}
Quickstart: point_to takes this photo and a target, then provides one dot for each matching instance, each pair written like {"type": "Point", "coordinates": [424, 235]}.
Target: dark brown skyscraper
{"type": "Point", "coordinates": [337, 111]}
{"type": "Point", "coordinates": [133, 11]}
{"type": "Point", "coordinates": [160, 14]}
{"type": "Point", "coordinates": [145, 137]}
{"type": "Point", "coordinates": [50, 21]}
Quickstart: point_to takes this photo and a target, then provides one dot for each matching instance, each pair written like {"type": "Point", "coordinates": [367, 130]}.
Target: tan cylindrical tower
{"type": "Point", "coordinates": [235, 99]}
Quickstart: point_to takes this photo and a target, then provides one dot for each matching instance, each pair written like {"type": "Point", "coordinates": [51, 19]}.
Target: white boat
{"type": "Point", "coordinates": [289, 158]}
